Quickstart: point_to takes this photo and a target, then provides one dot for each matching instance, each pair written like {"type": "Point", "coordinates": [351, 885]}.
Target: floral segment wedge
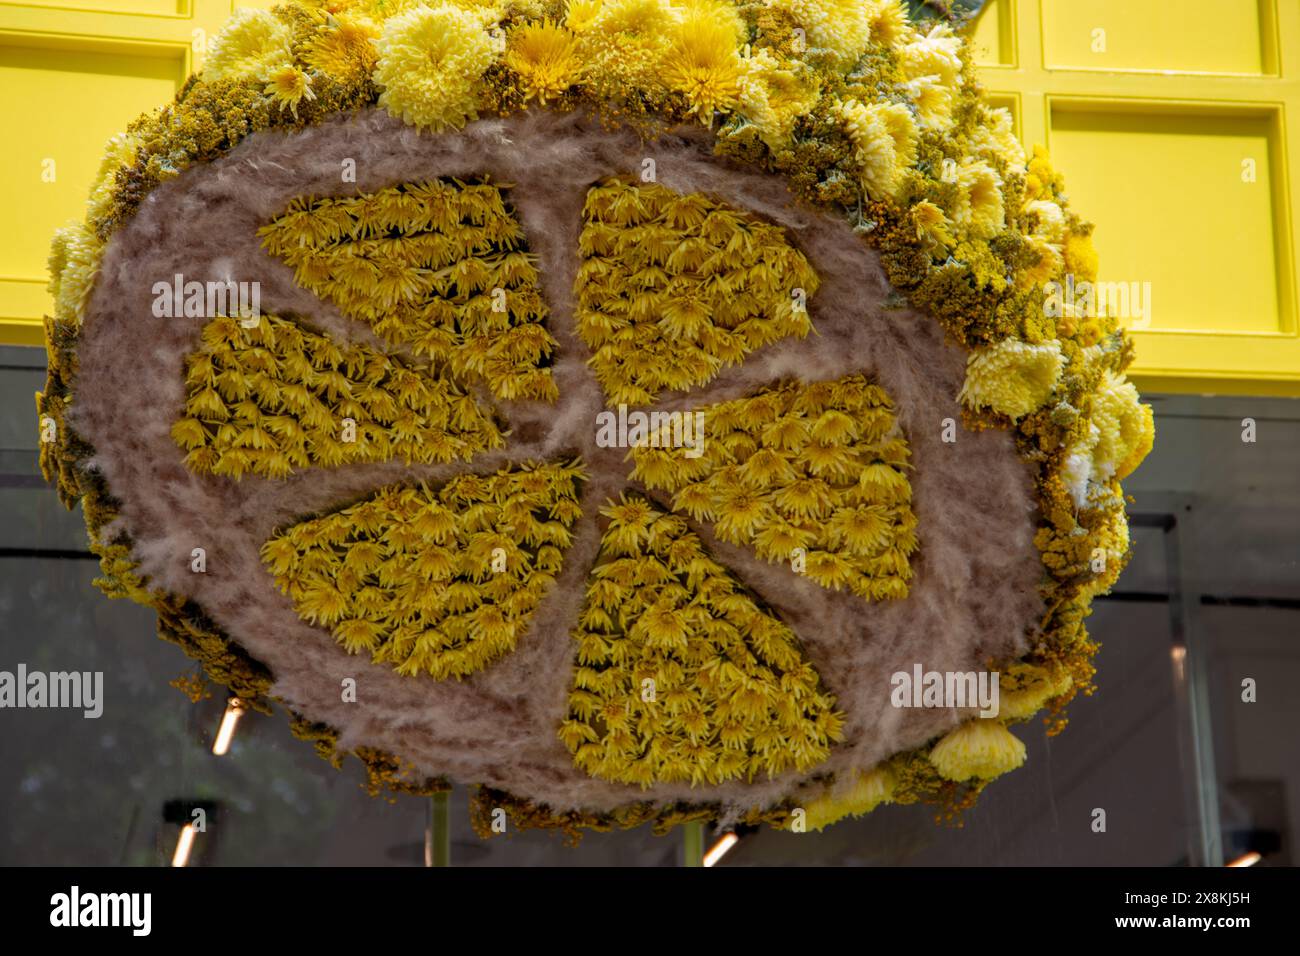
{"type": "Point", "coordinates": [786, 246]}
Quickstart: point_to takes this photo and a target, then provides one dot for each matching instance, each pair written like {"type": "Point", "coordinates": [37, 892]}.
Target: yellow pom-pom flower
{"type": "Point", "coordinates": [253, 43]}
{"type": "Point", "coordinates": [1125, 426]}
{"type": "Point", "coordinates": [868, 791]}
{"type": "Point", "coordinates": [979, 748]}
{"type": "Point", "coordinates": [841, 26]}
{"type": "Point", "coordinates": [1012, 377]}
{"type": "Point", "coordinates": [1025, 688]}
{"type": "Point", "coordinates": [1080, 257]}
{"type": "Point", "coordinates": [979, 211]}
{"type": "Point", "coordinates": [430, 63]}
{"type": "Point", "coordinates": [884, 140]}
{"type": "Point", "coordinates": [774, 96]}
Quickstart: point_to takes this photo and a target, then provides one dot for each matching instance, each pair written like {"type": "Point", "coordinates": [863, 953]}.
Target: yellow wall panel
{"type": "Point", "coordinates": [46, 93]}
{"type": "Point", "coordinates": [1212, 36]}
{"type": "Point", "coordinates": [151, 7]}
{"type": "Point", "coordinates": [994, 38]}
{"type": "Point", "coordinates": [1180, 140]}
{"type": "Point", "coordinates": [1183, 200]}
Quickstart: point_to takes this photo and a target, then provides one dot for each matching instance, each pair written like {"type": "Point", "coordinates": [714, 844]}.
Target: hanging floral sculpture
{"type": "Point", "coordinates": [600, 402]}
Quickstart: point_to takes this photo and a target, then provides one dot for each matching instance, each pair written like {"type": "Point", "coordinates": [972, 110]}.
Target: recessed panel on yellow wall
{"type": "Point", "coordinates": [1184, 198]}
{"type": "Point", "coordinates": [1195, 36]}
{"type": "Point", "coordinates": [150, 7]}
{"type": "Point", "coordinates": [994, 37]}
{"type": "Point", "coordinates": [59, 104]}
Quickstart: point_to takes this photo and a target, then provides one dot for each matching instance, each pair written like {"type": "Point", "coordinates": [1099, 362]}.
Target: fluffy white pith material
{"type": "Point", "coordinates": [973, 596]}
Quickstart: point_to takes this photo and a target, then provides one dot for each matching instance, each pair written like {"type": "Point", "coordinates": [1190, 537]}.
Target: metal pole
{"type": "Point", "coordinates": [693, 843]}
{"type": "Point", "coordinates": [1191, 691]}
{"type": "Point", "coordinates": [437, 836]}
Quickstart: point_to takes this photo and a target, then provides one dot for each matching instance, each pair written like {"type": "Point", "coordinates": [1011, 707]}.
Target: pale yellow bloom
{"type": "Point", "coordinates": [981, 749]}
{"type": "Point", "coordinates": [252, 43]}
{"type": "Point", "coordinates": [431, 61]}
{"type": "Point", "coordinates": [773, 98]}
{"type": "Point", "coordinates": [884, 138]}
{"type": "Point", "coordinates": [1012, 377]}
{"type": "Point", "coordinates": [979, 211]}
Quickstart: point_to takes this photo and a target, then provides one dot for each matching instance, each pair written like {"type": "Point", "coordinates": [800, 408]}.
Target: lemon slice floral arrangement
{"type": "Point", "coordinates": [476, 227]}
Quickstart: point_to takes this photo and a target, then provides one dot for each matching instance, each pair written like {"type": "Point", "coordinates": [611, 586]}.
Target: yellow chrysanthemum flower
{"type": "Point", "coordinates": [580, 15]}
{"type": "Point", "coordinates": [887, 20]}
{"type": "Point", "coordinates": [345, 52]}
{"type": "Point", "coordinates": [840, 26]}
{"type": "Point", "coordinates": [1048, 262]}
{"type": "Point", "coordinates": [1025, 688]}
{"type": "Point", "coordinates": [119, 151]}
{"type": "Point", "coordinates": [773, 97]}
{"type": "Point", "coordinates": [288, 86]}
{"type": "Point", "coordinates": [884, 139]}
{"type": "Point", "coordinates": [623, 45]}
{"type": "Point", "coordinates": [868, 791]}
{"type": "Point", "coordinates": [702, 62]}
{"type": "Point", "coordinates": [931, 223]}
{"type": "Point", "coordinates": [995, 137]}
{"type": "Point", "coordinates": [1048, 219]}
{"type": "Point", "coordinates": [430, 63]}
{"type": "Point", "coordinates": [545, 57]}
{"type": "Point", "coordinates": [1125, 426]}
{"type": "Point", "coordinates": [979, 748]}
{"type": "Point", "coordinates": [934, 54]}
{"type": "Point", "coordinates": [1012, 377]}
{"type": "Point", "coordinates": [979, 211]}
{"type": "Point", "coordinates": [73, 265]}
{"type": "Point", "coordinates": [933, 102]}
{"type": "Point", "coordinates": [252, 43]}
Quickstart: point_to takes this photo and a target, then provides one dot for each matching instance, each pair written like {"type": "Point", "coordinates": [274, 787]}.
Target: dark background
{"type": "Point", "coordinates": [1185, 771]}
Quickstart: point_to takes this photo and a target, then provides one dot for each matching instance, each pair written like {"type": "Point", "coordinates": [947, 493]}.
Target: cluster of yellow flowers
{"type": "Point", "coordinates": [673, 288]}
{"type": "Point", "coordinates": [439, 583]}
{"type": "Point", "coordinates": [681, 674]}
{"type": "Point", "coordinates": [803, 473]}
{"type": "Point", "coordinates": [437, 266]}
{"type": "Point", "coordinates": [861, 111]}
{"type": "Point", "coordinates": [276, 397]}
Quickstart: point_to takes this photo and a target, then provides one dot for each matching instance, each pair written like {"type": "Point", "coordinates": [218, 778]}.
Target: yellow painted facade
{"type": "Point", "coordinates": [1172, 137]}
{"type": "Point", "coordinates": [1169, 123]}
